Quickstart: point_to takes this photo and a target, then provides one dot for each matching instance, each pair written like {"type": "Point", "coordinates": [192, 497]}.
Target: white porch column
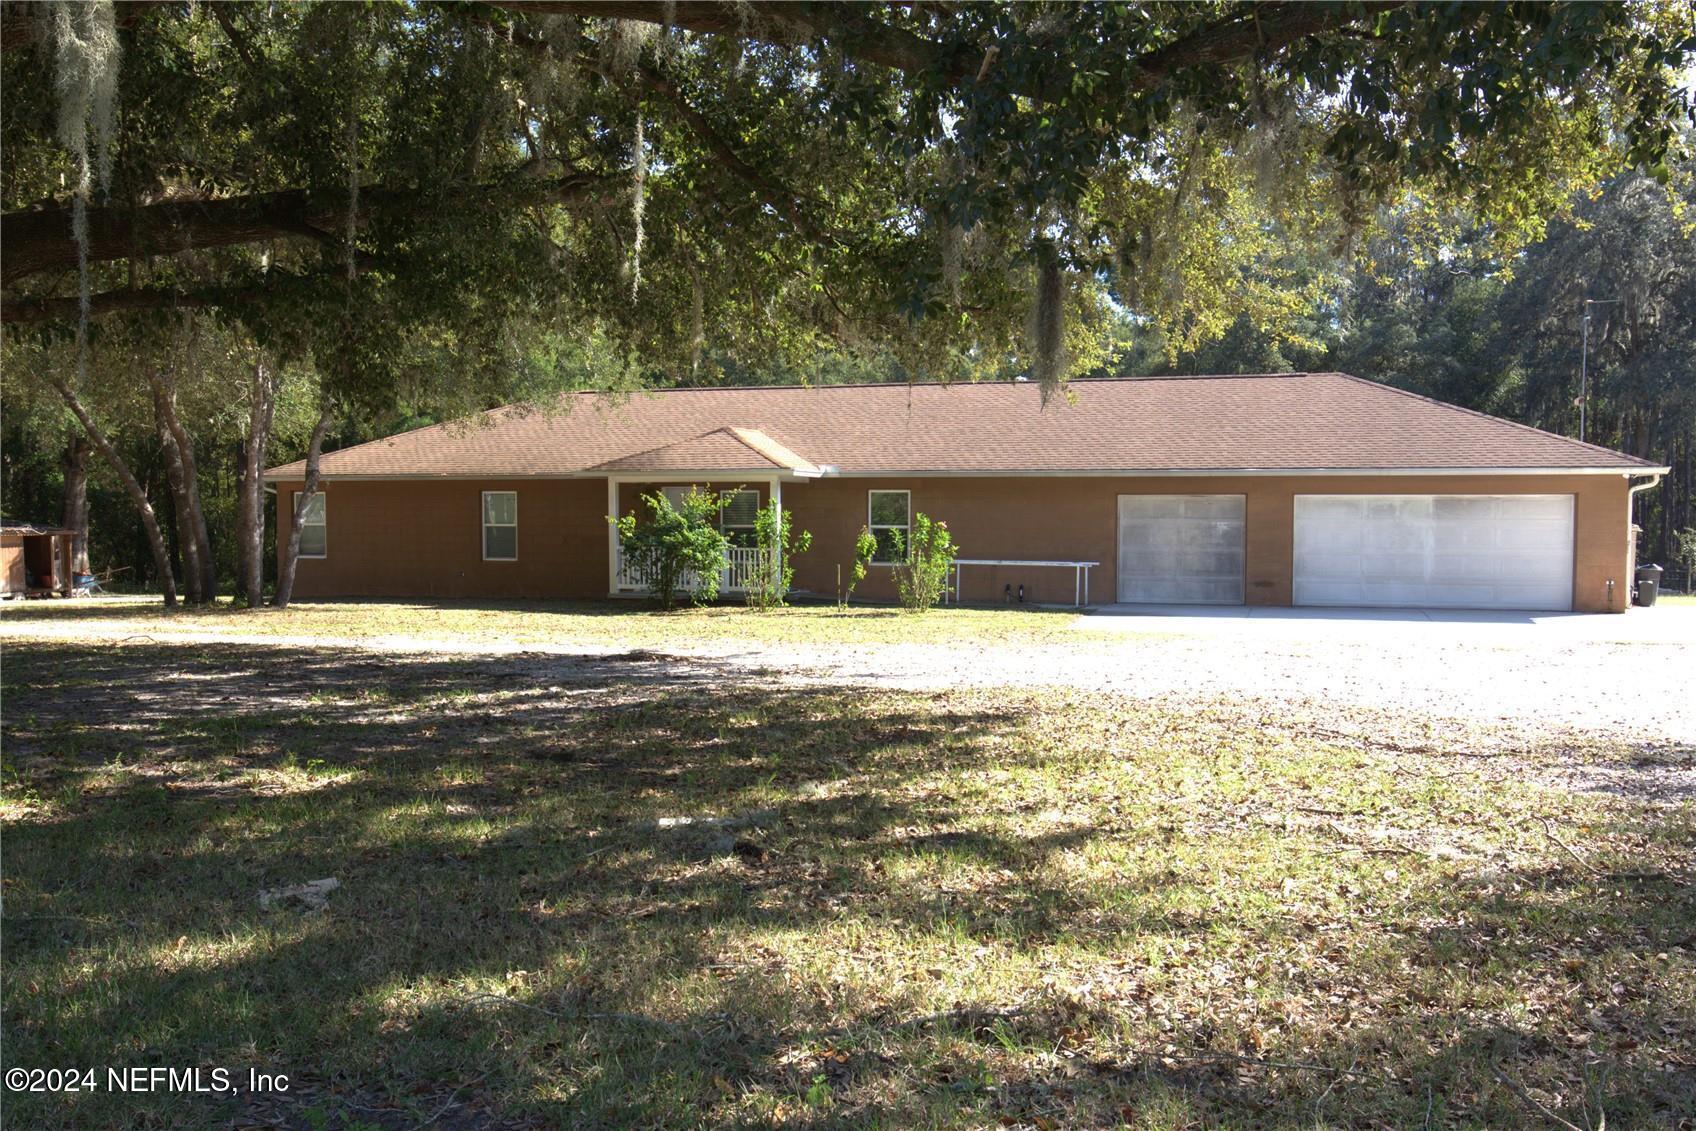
{"type": "Point", "coordinates": [777, 511]}
{"type": "Point", "coordinates": [612, 537]}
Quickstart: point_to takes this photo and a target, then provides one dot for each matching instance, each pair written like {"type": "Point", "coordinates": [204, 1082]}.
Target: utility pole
{"type": "Point", "coordinates": [1584, 359]}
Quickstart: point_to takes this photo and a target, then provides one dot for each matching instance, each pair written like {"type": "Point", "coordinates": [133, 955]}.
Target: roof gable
{"type": "Point", "coordinates": [723, 449]}
{"type": "Point", "coordinates": [1298, 422]}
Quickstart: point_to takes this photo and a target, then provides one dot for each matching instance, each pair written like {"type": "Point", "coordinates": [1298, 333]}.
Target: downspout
{"type": "Point", "coordinates": [1654, 478]}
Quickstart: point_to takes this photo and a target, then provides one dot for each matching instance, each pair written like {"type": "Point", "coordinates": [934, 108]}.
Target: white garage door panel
{"type": "Point", "coordinates": [1434, 551]}
{"type": "Point", "coordinates": [1181, 549]}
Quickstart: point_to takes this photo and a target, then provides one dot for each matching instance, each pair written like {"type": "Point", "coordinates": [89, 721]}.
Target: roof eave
{"type": "Point", "coordinates": [655, 475]}
{"type": "Point", "coordinates": [283, 475]}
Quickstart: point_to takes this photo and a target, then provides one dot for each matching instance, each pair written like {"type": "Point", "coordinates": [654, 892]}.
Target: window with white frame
{"type": "Point", "coordinates": [736, 514]}
{"type": "Point", "coordinates": [314, 540]}
{"type": "Point", "coordinates": [889, 516]}
{"type": "Point", "coordinates": [500, 526]}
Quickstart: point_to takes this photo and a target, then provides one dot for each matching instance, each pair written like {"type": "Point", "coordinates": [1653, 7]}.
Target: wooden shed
{"type": "Point", "coordinates": [35, 561]}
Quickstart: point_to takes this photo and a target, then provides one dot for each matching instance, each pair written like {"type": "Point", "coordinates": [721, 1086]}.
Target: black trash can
{"type": "Point", "coordinates": [1648, 584]}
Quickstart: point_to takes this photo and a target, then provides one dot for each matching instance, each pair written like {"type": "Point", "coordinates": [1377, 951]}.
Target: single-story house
{"type": "Point", "coordinates": [1276, 489]}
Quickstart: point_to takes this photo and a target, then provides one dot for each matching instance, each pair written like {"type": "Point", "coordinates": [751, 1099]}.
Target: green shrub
{"type": "Point", "coordinates": [864, 547]}
{"type": "Point", "coordinates": [921, 576]}
{"type": "Point", "coordinates": [775, 543]}
{"type": "Point", "coordinates": [676, 549]}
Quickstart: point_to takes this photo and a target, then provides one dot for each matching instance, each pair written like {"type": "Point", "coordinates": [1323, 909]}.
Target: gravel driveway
{"type": "Point", "coordinates": [1628, 678]}
{"type": "Point", "coordinates": [1617, 677]}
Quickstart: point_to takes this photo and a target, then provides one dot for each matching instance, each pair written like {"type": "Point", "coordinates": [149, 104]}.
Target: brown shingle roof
{"type": "Point", "coordinates": [1285, 422]}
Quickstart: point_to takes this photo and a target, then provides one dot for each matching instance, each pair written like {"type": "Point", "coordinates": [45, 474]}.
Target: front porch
{"type": "Point", "coordinates": [624, 496]}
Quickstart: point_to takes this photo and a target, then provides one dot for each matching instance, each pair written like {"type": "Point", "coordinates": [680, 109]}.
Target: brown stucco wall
{"type": "Point", "coordinates": [412, 538]}
{"type": "Point", "coordinates": [406, 538]}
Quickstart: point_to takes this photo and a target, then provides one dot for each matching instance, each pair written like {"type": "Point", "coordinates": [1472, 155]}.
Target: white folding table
{"type": "Point", "coordinates": [1080, 574]}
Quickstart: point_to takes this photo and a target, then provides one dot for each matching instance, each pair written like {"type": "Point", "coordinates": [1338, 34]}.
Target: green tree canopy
{"type": "Point", "coordinates": [957, 184]}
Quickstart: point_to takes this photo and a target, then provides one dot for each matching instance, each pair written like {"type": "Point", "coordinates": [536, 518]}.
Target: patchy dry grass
{"type": "Point", "coordinates": [611, 623]}
{"type": "Point", "coordinates": [979, 908]}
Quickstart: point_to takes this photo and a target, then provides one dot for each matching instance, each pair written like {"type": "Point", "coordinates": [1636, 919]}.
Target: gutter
{"type": "Point", "coordinates": [1654, 478]}
{"type": "Point", "coordinates": [831, 471]}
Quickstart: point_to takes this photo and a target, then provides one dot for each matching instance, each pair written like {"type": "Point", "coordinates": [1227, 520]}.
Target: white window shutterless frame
{"type": "Point", "coordinates": [500, 526]}
{"type": "Point", "coordinates": [314, 528]}
{"type": "Point", "coordinates": [737, 512]}
{"type": "Point", "coordinates": [889, 517]}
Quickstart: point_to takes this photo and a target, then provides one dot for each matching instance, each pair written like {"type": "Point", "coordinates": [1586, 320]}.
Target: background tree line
{"type": "Point", "coordinates": [1450, 318]}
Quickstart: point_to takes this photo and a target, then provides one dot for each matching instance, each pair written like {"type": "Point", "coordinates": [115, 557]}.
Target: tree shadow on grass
{"type": "Point", "coordinates": [526, 934]}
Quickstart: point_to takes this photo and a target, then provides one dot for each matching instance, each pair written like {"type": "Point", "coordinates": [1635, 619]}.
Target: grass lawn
{"type": "Point", "coordinates": [991, 908]}
{"type": "Point", "coordinates": [610, 623]}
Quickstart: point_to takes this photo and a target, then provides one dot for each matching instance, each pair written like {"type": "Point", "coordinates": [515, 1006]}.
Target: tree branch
{"type": "Point", "coordinates": [40, 240]}
{"type": "Point", "coordinates": [776, 195]}
{"type": "Point", "coordinates": [1232, 39]}
{"type": "Point", "coordinates": [784, 200]}
{"type": "Point", "coordinates": [36, 241]}
{"type": "Point", "coordinates": [238, 38]}
{"type": "Point", "coordinates": [24, 311]}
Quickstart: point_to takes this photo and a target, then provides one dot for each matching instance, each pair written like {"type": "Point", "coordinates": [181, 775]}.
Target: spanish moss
{"type": "Point", "coordinates": [85, 64]}
{"type": "Point", "coordinates": [1048, 322]}
{"type": "Point", "coordinates": [638, 204]}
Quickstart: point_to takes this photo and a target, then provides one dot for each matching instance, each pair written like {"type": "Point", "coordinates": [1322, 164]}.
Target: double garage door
{"type": "Point", "coordinates": [1434, 551]}
{"type": "Point", "coordinates": [1420, 551]}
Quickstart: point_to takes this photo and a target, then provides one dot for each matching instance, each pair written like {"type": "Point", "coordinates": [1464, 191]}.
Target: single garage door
{"type": "Point", "coordinates": [1434, 551]}
{"type": "Point", "coordinates": [1181, 549]}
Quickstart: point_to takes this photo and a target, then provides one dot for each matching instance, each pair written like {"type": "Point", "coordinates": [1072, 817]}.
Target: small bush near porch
{"type": "Point", "coordinates": [677, 549]}
{"type": "Point", "coordinates": [660, 896]}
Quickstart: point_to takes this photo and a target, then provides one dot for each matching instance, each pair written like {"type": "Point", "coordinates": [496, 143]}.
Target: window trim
{"type": "Point", "coordinates": [323, 520]}
{"type": "Point", "coordinates": [905, 528]}
{"type": "Point", "coordinates": [483, 529]}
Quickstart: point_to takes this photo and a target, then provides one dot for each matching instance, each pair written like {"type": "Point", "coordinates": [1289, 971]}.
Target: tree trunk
{"type": "Point", "coordinates": [192, 515]}
{"type": "Point", "coordinates": [149, 520]}
{"type": "Point", "coordinates": [241, 521]}
{"type": "Point", "coordinates": [75, 516]}
{"type": "Point", "coordinates": [187, 545]}
{"type": "Point", "coordinates": [314, 452]}
{"type": "Point", "coordinates": [250, 513]}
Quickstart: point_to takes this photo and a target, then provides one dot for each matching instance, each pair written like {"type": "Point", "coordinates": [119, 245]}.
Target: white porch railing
{"type": "Point", "coordinates": [735, 578]}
